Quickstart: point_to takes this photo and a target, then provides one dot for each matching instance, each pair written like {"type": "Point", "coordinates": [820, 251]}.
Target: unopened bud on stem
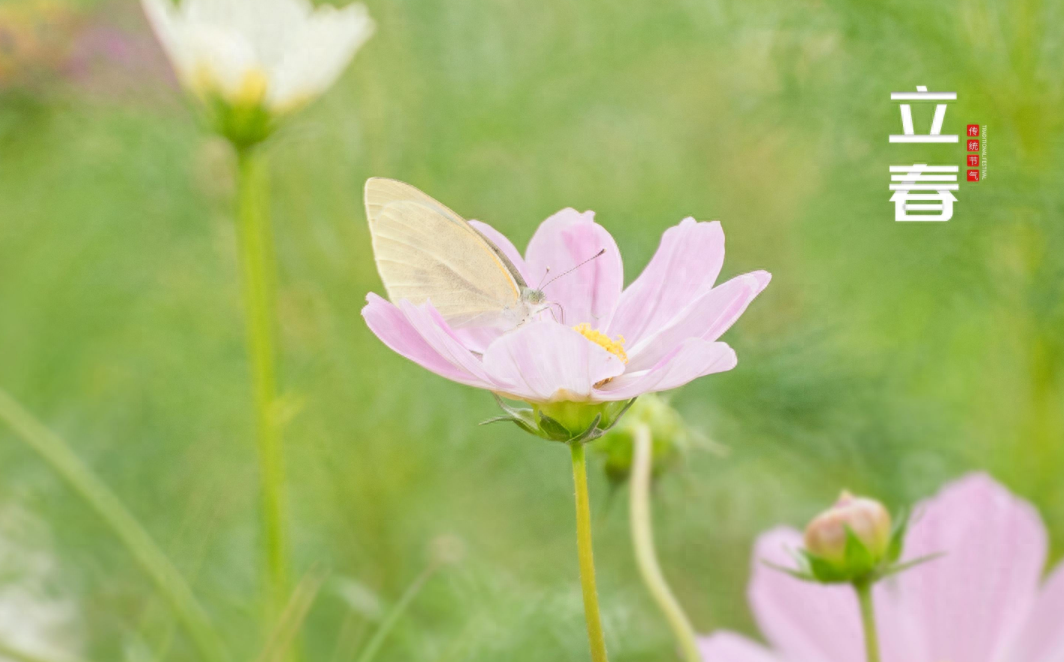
{"type": "Point", "coordinates": [866, 519]}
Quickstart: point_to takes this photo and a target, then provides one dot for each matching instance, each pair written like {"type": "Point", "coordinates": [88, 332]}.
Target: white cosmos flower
{"type": "Point", "coordinates": [274, 54]}
{"type": "Point", "coordinates": [34, 619]}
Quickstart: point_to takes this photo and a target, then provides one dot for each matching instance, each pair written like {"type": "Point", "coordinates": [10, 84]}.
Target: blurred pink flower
{"type": "Point", "coordinates": [659, 333]}
{"type": "Point", "coordinates": [983, 601]}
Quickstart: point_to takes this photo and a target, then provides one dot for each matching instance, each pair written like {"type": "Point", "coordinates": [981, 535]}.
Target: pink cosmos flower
{"type": "Point", "coordinates": [615, 343]}
{"type": "Point", "coordinates": [984, 601]}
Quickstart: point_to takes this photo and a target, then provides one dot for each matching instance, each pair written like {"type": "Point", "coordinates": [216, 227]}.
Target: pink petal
{"type": "Point", "coordinates": [590, 293]}
{"type": "Point", "coordinates": [684, 267]}
{"type": "Point", "coordinates": [548, 361]}
{"type": "Point", "coordinates": [731, 647]}
{"type": "Point", "coordinates": [1042, 638]}
{"type": "Point", "coordinates": [428, 322]}
{"type": "Point", "coordinates": [504, 244]}
{"type": "Point", "coordinates": [808, 622]}
{"type": "Point", "coordinates": [396, 331]}
{"type": "Point", "coordinates": [970, 602]}
{"type": "Point", "coordinates": [695, 358]}
{"type": "Point", "coordinates": [478, 338]}
{"type": "Point", "coordinates": [707, 317]}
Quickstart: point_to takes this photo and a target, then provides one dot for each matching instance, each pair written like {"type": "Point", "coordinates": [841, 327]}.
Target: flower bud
{"type": "Point", "coordinates": [866, 520]}
{"type": "Point", "coordinates": [667, 430]}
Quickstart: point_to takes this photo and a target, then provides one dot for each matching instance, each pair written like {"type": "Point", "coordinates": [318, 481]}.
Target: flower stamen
{"type": "Point", "coordinates": [615, 347]}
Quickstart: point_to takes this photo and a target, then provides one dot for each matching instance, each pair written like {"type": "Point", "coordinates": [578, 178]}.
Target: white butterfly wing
{"type": "Point", "coordinates": [425, 251]}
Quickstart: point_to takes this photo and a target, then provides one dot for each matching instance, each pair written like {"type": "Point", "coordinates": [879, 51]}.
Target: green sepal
{"type": "Point", "coordinates": [803, 575]}
{"type": "Point", "coordinates": [825, 571]}
{"type": "Point", "coordinates": [516, 421]}
{"type": "Point", "coordinates": [897, 536]}
{"type": "Point", "coordinates": [858, 565]}
{"type": "Point", "coordinates": [534, 421]}
{"type": "Point", "coordinates": [859, 560]}
{"type": "Point", "coordinates": [523, 418]}
{"type": "Point", "coordinates": [243, 126]}
{"type": "Point", "coordinates": [590, 434]}
{"type": "Point", "coordinates": [552, 429]}
{"type": "Point", "coordinates": [909, 565]}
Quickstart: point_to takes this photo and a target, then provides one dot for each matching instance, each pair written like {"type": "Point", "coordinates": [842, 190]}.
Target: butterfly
{"type": "Point", "coordinates": [426, 252]}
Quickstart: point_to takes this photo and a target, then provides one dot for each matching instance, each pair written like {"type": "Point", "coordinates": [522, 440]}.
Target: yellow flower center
{"type": "Point", "coordinates": [615, 347]}
{"type": "Point", "coordinates": [252, 89]}
{"type": "Point", "coordinates": [250, 93]}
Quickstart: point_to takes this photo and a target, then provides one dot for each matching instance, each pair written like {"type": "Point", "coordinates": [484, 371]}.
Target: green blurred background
{"type": "Point", "coordinates": [885, 357]}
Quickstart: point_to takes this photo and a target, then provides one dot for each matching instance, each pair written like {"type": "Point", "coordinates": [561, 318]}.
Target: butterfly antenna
{"type": "Point", "coordinates": [545, 274]}
{"type": "Point", "coordinates": [565, 273]}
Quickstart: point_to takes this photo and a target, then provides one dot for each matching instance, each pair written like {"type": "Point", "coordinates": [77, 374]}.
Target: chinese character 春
{"type": "Point", "coordinates": [922, 192]}
{"type": "Point", "coordinates": [908, 134]}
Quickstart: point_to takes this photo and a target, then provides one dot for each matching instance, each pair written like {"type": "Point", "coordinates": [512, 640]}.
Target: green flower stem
{"type": "Point", "coordinates": [868, 619]}
{"type": "Point", "coordinates": [53, 450]}
{"type": "Point", "coordinates": [257, 269]}
{"type": "Point", "coordinates": [587, 557]}
{"type": "Point", "coordinates": [643, 541]}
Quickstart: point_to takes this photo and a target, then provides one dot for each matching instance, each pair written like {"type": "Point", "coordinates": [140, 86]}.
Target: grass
{"type": "Point", "coordinates": [884, 357]}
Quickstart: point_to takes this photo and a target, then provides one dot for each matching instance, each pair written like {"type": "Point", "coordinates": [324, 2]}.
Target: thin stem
{"type": "Point", "coordinates": [868, 619]}
{"type": "Point", "coordinates": [643, 541]}
{"type": "Point", "coordinates": [374, 645]}
{"type": "Point", "coordinates": [587, 557]}
{"type": "Point", "coordinates": [257, 270]}
{"type": "Point", "coordinates": [53, 450]}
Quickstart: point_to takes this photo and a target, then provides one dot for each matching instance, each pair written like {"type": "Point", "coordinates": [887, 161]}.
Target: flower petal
{"type": "Point", "coordinates": [428, 322]}
{"type": "Point", "coordinates": [1042, 639]}
{"type": "Point", "coordinates": [319, 51]}
{"type": "Point", "coordinates": [545, 361]}
{"type": "Point", "coordinates": [970, 602]}
{"type": "Point", "coordinates": [707, 317]}
{"type": "Point", "coordinates": [804, 621]}
{"type": "Point", "coordinates": [563, 241]}
{"type": "Point", "coordinates": [684, 267]}
{"type": "Point", "coordinates": [695, 358]}
{"type": "Point", "coordinates": [395, 330]}
{"type": "Point", "coordinates": [202, 53]}
{"type": "Point", "coordinates": [731, 647]}
{"type": "Point", "coordinates": [268, 25]}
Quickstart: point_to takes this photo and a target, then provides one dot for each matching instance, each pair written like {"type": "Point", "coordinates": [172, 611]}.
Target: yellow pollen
{"type": "Point", "coordinates": [615, 347]}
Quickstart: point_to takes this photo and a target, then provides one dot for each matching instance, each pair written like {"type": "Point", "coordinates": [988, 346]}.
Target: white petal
{"type": "Point", "coordinates": [220, 43]}
{"type": "Point", "coordinates": [318, 54]}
